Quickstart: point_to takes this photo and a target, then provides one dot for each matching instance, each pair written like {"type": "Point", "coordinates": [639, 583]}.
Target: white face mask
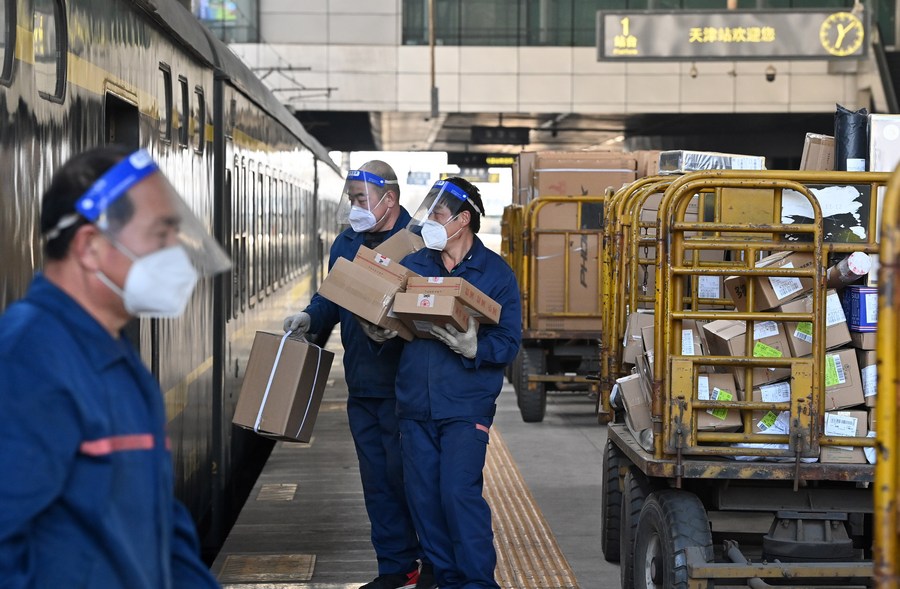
{"type": "Point", "coordinates": [362, 220]}
{"type": "Point", "coordinates": [435, 235]}
{"type": "Point", "coordinates": [158, 284]}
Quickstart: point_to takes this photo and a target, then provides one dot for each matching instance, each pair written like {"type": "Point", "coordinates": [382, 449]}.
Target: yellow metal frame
{"type": "Point", "coordinates": [886, 545]}
{"type": "Point", "coordinates": [529, 268]}
{"type": "Point", "coordinates": [674, 402]}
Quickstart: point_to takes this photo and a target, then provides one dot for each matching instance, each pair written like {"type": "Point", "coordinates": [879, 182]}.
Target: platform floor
{"type": "Point", "coordinates": [304, 525]}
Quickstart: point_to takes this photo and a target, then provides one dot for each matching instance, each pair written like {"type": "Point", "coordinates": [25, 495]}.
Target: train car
{"type": "Point", "coordinates": [79, 73]}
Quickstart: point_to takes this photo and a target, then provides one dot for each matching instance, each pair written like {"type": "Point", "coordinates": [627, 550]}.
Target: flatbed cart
{"type": "Point", "coordinates": [560, 335]}
{"type": "Point", "coordinates": [696, 508]}
{"type": "Point", "coordinates": [887, 467]}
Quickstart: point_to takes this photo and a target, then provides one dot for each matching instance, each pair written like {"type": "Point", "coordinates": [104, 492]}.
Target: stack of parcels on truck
{"type": "Point", "coordinates": [578, 173]}
{"type": "Point", "coordinates": [430, 301]}
{"type": "Point", "coordinates": [849, 363]}
{"type": "Point", "coordinates": [849, 369]}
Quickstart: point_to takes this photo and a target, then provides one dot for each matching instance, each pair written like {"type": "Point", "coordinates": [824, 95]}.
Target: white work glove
{"type": "Point", "coordinates": [299, 323]}
{"type": "Point", "coordinates": [463, 343]}
{"type": "Point", "coordinates": [376, 334]}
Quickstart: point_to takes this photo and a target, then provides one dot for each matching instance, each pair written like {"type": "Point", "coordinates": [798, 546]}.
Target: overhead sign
{"type": "Point", "coordinates": [731, 35]}
{"type": "Point", "coordinates": [481, 160]}
{"type": "Point", "coordinates": [499, 135]}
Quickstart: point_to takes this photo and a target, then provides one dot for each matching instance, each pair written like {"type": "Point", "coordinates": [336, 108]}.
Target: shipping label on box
{"type": "Point", "coordinates": [772, 291]}
{"type": "Point", "coordinates": [399, 245]}
{"type": "Point", "coordinates": [843, 387]}
{"type": "Point", "coordinates": [800, 334]}
{"type": "Point", "coordinates": [726, 337]}
{"type": "Point", "coordinates": [717, 387]}
{"type": "Point", "coordinates": [868, 368]}
{"type": "Point", "coordinates": [364, 293]}
{"type": "Point", "coordinates": [478, 305]}
{"type": "Point", "coordinates": [844, 424]}
{"type": "Point", "coordinates": [283, 387]}
{"type": "Point", "coordinates": [861, 307]}
{"type": "Point", "coordinates": [422, 311]}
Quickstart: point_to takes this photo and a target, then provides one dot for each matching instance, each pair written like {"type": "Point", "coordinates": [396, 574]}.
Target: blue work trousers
{"type": "Point", "coordinates": [373, 424]}
{"type": "Point", "coordinates": [443, 462]}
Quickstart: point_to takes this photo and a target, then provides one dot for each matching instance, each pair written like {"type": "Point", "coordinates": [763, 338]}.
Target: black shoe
{"type": "Point", "coordinates": [394, 581]}
{"type": "Point", "coordinates": [426, 577]}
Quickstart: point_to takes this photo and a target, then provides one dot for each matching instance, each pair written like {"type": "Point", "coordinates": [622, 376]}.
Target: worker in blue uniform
{"type": "Point", "coordinates": [447, 390]}
{"type": "Point", "coordinates": [371, 200]}
{"type": "Point", "coordinates": [87, 498]}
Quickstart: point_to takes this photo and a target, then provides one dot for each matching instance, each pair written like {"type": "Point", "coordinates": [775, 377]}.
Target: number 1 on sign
{"type": "Point", "coordinates": [625, 22]}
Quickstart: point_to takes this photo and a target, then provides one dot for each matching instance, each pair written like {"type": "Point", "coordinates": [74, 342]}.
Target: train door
{"type": "Point", "coordinates": [121, 125]}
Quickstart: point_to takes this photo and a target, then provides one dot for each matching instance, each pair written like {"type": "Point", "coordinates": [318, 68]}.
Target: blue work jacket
{"type": "Point", "coordinates": [369, 368]}
{"type": "Point", "coordinates": [87, 497]}
{"type": "Point", "coordinates": [437, 383]}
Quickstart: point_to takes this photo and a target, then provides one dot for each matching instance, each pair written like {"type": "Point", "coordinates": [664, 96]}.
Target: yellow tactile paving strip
{"type": "Point", "coordinates": [527, 553]}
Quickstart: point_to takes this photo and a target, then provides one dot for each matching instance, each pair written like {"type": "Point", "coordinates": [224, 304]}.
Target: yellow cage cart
{"type": "Point", "coordinates": [736, 457]}
{"type": "Point", "coordinates": [887, 468]}
{"type": "Point", "coordinates": [554, 246]}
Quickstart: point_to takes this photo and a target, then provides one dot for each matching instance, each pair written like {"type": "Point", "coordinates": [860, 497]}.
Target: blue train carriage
{"type": "Point", "coordinates": [79, 73]}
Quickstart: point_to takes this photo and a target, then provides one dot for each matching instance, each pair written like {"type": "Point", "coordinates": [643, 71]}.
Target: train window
{"type": "Point", "coordinates": [185, 112]}
{"type": "Point", "coordinates": [164, 102]}
{"type": "Point", "coordinates": [7, 39]}
{"type": "Point", "coordinates": [200, 128]}
{"type": "Point", "coordinates": [252, 213]}
{"type": "Point", "coordinates": [50, 49]}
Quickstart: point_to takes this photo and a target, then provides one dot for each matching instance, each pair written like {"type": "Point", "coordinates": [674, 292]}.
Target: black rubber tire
{"type": "Point", "coordinates": [636, 487]}
{"type": "Point", "coordinates": [610, 506]}
{"type": "Point", "coordinates": [532, 401]}
{"type": "Point", "coordinates": [670, 522]}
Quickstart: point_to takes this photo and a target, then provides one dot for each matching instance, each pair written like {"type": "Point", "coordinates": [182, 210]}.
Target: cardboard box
{"type": "Point", "coordinates": [772, 291]}
{"type": "Point", "coordinates": [843, 385]}
{"type": "Point", "coordinates": [523, 177]}
{"type": "Point", "coordinates": [863, 340]}
{"type": "Point", "coordinates": [776, 392]}
{"type": "Point", "coordinates": [861, 307]}
{"type": "Point", "coordinates": [844, 424]}
{"type": "Point", "coordinates": [421, 311]}
{"type": "Point", "coordinates": [683, 161]}
{"type": "Point", "coordinates": [365, 293]}
{"type": "Point", "coordinates": [477, 304]}
{"type": "Point", "coordinates": [725, 337]}
{"type": "Point", "coordinates": [399, 245]}
{"type": "Point", "coordinates": [800, 334]}
{"type": "Point", "coordinates": [582, 173]}
{"type": "Point", "coordinates": [631, 344]}
{"type": "Point", "coordinates": [383, 266]}
{"type": "Point", "coordinates": [868, 369]}
{"type": "Point", "coordinates": [583, 297]}
{"type": "Point", "coordinates": [647, 162]}
{"type": "Point", "coordinates": [720, 387]}
{"type": "Point", "coordinates": [637, 402]}
{"type": "Point", "coordinates": [282, 400]}
{"type": "Point", "coordinates": [818, 152]}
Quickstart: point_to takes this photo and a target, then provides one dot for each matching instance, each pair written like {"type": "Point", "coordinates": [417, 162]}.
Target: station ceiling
{"type": "Point", "coordinates": [778, 136]}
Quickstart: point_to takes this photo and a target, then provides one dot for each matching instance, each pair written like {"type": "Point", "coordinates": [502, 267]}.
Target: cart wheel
{"type": "Point", "coordinates": [635, 489]}
{"type": "Point", "coordinates": [532, 401]}
{"type": "Point", "coordinates": [613, 461]}
{"type": "Point", "coordinates": [670, 522]}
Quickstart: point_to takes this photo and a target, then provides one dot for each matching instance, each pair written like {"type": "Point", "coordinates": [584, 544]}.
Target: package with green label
{"type": "Point", "coordinates": [727, 337]}
{"type": "Point", "coordinates": [800, 334]}
{"type": "Point", "coordinates": [843, 383]}
{"type": "Point", "coordinates": [718, 387]}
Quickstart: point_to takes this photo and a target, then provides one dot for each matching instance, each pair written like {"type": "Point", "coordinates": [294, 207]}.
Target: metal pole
{"type": "Point", "coordinates": [434, 90]}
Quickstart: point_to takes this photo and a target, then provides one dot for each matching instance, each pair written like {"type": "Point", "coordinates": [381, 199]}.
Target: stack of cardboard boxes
{"type": "Point", "coordinates": [849, 363]}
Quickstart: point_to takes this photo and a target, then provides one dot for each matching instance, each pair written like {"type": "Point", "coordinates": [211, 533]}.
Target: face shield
{"type": "Point", "coordinates": [363, 192]}
{"type": "Point", "coordinates": [141, 213]}
{"type": "Point", "coordinates": [442, 203]}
